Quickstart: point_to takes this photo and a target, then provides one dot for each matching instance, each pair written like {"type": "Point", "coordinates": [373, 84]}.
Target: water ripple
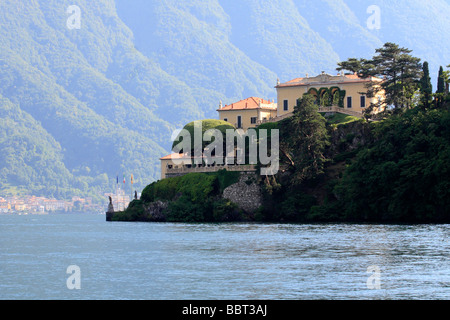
{"type": "Point", "coordinates": [220, 261]}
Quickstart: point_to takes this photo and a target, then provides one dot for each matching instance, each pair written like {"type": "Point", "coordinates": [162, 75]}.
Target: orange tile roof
{"type": "Point", "coordinates": [175, 156]}
{"type": "Point", "coordinates": [249, 104]}
{"type": "Point", "coordinates": [348, 79]}
{"type": "Point", "coordinates": [353, 76]}
{"type": "Point", "coordinates": [295, 80]}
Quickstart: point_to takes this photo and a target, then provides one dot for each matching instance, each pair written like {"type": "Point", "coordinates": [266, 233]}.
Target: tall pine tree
{"type": "Point", "coordinates": [399, 69]}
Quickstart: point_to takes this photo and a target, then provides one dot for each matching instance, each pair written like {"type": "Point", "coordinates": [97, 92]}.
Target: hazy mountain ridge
{"type": "Point", "coordinates": [190, 41]}
{"type": "Point", "coordinates": [279, 37]}
{"type": "Point", "coordinates": [339, 25]}
{"type": "Point", "coordinates": [101, 128]}
{"type": "Point", "coordinates": [418, 25]}
{"type": "Point", "coordinates": [105, 98]}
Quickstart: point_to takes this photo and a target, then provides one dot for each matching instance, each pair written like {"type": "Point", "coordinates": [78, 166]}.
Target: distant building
{"type": "Point", "coordinates": [4, 206]}
{"type": "Point", "coordinates": [20, 207]}
{"type": "Point", "coordinates": [248, 113]}
{"type": "Point", "coordinates": [120, 200]}
{"type": "Point", "coordinates": [169, 164]}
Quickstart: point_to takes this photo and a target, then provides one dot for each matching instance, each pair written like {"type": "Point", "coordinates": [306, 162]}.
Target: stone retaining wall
{"type": "Point", "coordinates": [246, 193]}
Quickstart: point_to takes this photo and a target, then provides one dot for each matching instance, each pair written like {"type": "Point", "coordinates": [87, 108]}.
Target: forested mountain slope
{"type": "Point", "coordinates": [83, 105]}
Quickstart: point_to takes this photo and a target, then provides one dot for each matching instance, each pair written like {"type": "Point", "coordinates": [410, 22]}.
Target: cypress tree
{"type": "Point", "coordinates": [441, 81]}
{"type": "Point", "coordinates": [425, 86]}
{"type": "Point", "coordinates": [440, 88]}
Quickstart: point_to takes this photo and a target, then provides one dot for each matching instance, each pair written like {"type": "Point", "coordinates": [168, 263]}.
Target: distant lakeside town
{"type": "Point", "coordinates": [29, 204]}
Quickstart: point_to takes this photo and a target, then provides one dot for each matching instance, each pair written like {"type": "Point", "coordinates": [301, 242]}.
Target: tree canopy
{"type": "Point", "coordinates": [400, 71]}
{"type": "Point", "coordinates": [404, 175]}
{"type": "Point", "coordinates": [426, 88]}
{"type": "Point", "coordinates": [304, 139]}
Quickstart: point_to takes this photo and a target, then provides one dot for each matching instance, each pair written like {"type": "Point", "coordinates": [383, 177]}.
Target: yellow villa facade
{"type": "Point", "coordinates": [248, 113]}
{"type": "Point", "coordinates": [344, 93]}
{"type": "Point", "coordinates": [179, 164]}
{"type": "Point", "coordinates": [174, 163]}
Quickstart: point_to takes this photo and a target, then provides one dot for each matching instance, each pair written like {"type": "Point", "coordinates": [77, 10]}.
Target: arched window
{"type": "Point", "coordinates": [324, 97]}
{"type": "Point", "coordinates": [315, 93]}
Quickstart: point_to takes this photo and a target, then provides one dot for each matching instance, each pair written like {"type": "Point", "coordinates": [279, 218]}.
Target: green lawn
{"type": "Point", "coordinates": [340, 118]}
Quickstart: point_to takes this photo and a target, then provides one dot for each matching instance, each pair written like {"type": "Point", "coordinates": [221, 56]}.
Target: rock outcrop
{"type": "Point", "coordinates": [154, 211]}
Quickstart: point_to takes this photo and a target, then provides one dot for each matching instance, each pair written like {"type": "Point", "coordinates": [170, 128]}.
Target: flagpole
{"type": "Point", "coordinates": [117, 192]}
{"type": "Point", "coordinates": [131, 199]}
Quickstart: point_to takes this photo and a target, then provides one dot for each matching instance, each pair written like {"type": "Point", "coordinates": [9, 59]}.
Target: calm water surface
{"type": "Point", "coordinates": [226, 261]}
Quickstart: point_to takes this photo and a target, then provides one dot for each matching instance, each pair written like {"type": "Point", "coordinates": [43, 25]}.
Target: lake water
{"type": "Point", "coordinates": [220, 261]}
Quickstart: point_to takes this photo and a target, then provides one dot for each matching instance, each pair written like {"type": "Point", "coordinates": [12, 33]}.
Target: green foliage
{"type": "Point", "coordinates": [105, 98]}
{"type": "Point", "coordinates": [426, 88]}
{"type": "Point", "coordinates": [216, 209]}
{"type": "Point", "coordinates": [326, 97]}
{"type": "Point", "coordinates": [268, 126]}
{"type": "Point", "coordinates": [225, 211]}
{"type": "Point", "coordinates": [197, 186]}
{"type": "Point", "coordinates": [32, 161]}
{"type": "Point", "coordinates": [404, 176]}
{"type": "Point", "coordinates": [441, 81]}
{"type": "Point", "coordinates": [291, 203]}
{"type": "Point", "coordinates": [295, 208]}
{"type": "Point", "coordinates": [400, 71]}
{"type": "Point", "coordinates": [191, 41]}
{"type": "Point", "coordinates": [400, 176]}
{"type": "Point", "coordinates": [84, 101]}
{"type": "Point", "coordinates": [205, 125]}
{"type": "Point", "coordinates": [446, 76]}
{"type": "Point", "coordinates": [441, 95]}
{"type": "Point", "coordinates": [340, 119]}
{"type": "Point", "coordinates": [187, 196]}
{"type": "Point", "coordinates": [353, 65]}
{"type": "Point", "coordinates": [134, 212]}
{"type": "Point", "coordinates": [194, 197]}
{"type": "Point", "coordinates": [184, 209]}
{"type": "Point", "coordinates": [304, 139]}
{"type": "Point", "coordinates": [227, 178]}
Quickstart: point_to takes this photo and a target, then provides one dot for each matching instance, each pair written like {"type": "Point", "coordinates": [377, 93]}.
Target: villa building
{"type": "Point", "coordinates": [248, 113]}
{"type": "Point", "coordinates": [345, 93]}
{"type": "Point", "coordinates": [171, 164]}
{"type": "Point", "coordinates": [177, 164]}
